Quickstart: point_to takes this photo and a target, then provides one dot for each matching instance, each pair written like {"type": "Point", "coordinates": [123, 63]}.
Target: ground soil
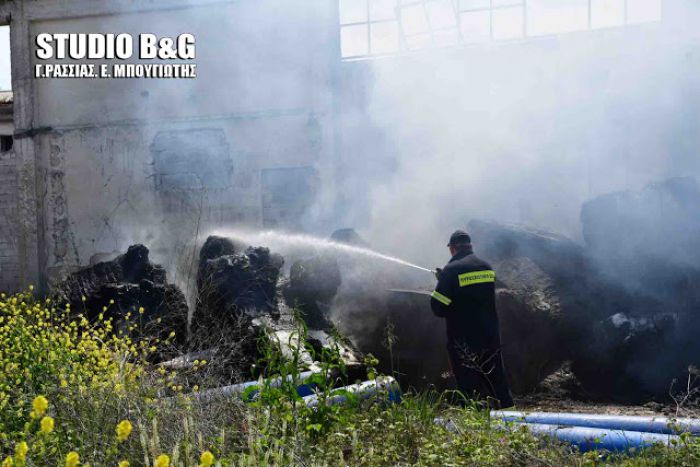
{"type": "Point", "coordinates": [561, 392]}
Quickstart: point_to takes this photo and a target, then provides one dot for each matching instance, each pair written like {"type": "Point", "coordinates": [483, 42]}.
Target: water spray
{"type": "Point", "coordinates": [282, 239]}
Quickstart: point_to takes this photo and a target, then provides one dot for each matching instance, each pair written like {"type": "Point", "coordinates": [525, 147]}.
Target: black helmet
{"type": "Point", "coordinates": [459, 237]}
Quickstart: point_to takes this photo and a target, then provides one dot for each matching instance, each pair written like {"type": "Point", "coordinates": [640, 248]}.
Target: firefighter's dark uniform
{"type": "Point", "coordinates": [465, 296]}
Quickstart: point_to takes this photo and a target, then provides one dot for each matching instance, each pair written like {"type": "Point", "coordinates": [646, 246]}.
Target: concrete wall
{"type": "Point", "coordinates": [9, 187]}
{"type": "Point", "coordinates": [164, 161]}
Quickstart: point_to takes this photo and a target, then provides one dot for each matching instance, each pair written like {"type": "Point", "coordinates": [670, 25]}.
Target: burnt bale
{"type": "Point", "coordinates": [530, 317]}
{"type": "Point", "coordinates": [313, 283]}
{"type": "Point", "coordinates": [230, 284]}
{"type": "Point", "coordinates": [625, 356]}
{"type": "Point", "coordinates": [558, 256]}
{"type": "Point", "coordinates": [535, 264]}
{"type": "Point", "coordinates": [214, 247]}
{"type": "Point", "coordinates": [608, 355]}
{"type": "Point", "coordinates": [411, 341]}
{"type": "Point", "coordinates": [585, 292]}
{"type": "Point", "coordinates": [529, 312]}
{"type": "Point", "coordinates": [237, 304]}
{"type": "Point", "coordinates": [660, 222]}
{"type": "Point", "coordinates": [123, 286]}
{"type": "Point", "coordinates": [311, 288]}
{"type": "Point", "coordinates": [648, 242]}
{"type": "Point", "coordinates": [240, 305]}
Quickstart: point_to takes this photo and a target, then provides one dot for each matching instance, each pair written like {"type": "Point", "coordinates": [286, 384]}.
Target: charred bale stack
{"type": "Point", "coordinates": [530, 317]}
{"type": "Point", "coordinates": [313, 283]}
{"type": "Point", "coordinates": [542, 277]}
{"type": "Point", "coordinates": [229, 283]}
{"type": "Point", "coordinates": [562, 271]}
{"type": "Point", "coordinates": [243, 297]}
{"type": "Point", "coordinates": [236, 298]}
{"type": "Point", "coordinates": [123, 286]}
{"type": "Point", "coordinates": [648, 243]}
{"type": "Point", "coordinates": [627, 301]}
{"type": "Point", "coordinates": [311, 289]}
{"type": "Point", "coordinates": [412, 342]}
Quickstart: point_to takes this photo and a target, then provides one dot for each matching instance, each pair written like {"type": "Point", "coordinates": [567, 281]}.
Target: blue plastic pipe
{"type": "Point", "coordinates": [590, 439]}
{"type": "Point", "coordinates": [362, 391]}
{"type": "Point", "coordinates": [660, 425]}
{"type": "Point", "coordinates": [240, 389]}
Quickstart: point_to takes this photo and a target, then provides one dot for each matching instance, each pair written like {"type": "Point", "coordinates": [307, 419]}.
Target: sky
{"type": "Point", "coordinates": [4, 58]}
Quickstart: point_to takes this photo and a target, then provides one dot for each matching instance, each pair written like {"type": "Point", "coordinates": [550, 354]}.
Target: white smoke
{"type": "Point", "coordinates": [522, 131]}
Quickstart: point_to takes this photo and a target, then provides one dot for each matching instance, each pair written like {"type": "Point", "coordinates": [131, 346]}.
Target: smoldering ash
{"type": "Point", "coordinates": [110, 46]}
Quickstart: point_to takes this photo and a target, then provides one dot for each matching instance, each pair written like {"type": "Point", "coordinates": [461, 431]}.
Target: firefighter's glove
{"type": "Point", "coordinates": [437, 273]}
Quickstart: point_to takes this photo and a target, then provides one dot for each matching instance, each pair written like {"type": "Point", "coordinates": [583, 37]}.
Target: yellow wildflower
{"type": "Point", "coordinates": [123, 430]}
{"type": "Point", "coordinates": [124, 464]}
{"type": "Point", "coordinates": [47, 424]}
{"type": "Point", "coordinates": [21, 450]}
{"type": "Point", "coordinates": [40, 405]}
{"type": "Point", "coordinates": [72, 459]}
{"type": "Point", "coordinates": [162, 461]}
{"type": "Point", "coordinates": [8, 462]}
{"type": "Point", "coordinates": [206, 459]}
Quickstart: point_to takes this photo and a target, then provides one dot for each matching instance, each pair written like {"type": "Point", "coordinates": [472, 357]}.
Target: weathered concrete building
{"type": "Point", "coordinates": [101, 163]}
{"type": "Point", "coordinates": [9, 254]}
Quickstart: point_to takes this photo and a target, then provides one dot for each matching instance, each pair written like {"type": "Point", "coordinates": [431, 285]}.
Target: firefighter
{"type": "Point", "coordinates": [465, 296]}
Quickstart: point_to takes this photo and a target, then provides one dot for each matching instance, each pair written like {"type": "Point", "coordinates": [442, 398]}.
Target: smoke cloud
{"type": "Point", "coordinates": [514, 131]}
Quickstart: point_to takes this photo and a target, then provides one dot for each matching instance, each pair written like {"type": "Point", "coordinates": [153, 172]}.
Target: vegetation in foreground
{"type": "Point", "coordinates": [75, 393]}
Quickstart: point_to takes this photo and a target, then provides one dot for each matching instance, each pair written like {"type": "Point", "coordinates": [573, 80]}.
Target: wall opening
{"type": "Point", "coordinates": [287, 196]}
{"type": "Point", "coordinates": [383, 27]}
{"type": "Point", "coordinates": [6, 142]}
{"type": "Point", "coordinates": [5, 68]}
